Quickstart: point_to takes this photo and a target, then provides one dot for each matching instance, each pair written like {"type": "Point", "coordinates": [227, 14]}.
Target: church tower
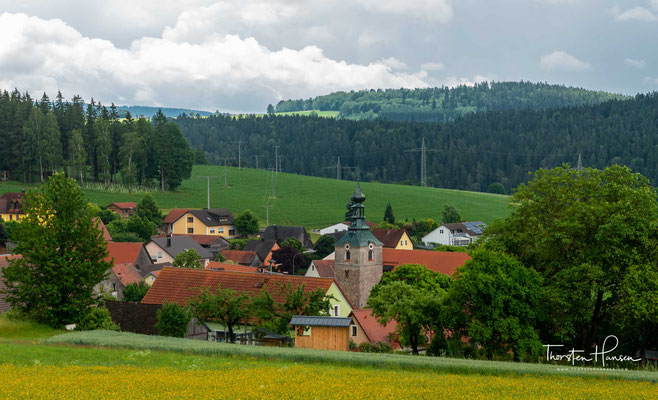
{"type": "Point", "coordinates": [359, 263]}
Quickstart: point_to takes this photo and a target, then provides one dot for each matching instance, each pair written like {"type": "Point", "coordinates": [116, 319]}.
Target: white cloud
{"type": "Point", "coordinates": [393, 63]}
{"type": "Point", "coordinates": [433, 10]}
{"type": "Point", "coordinates": [639, 64]}
{"type": "Point", "coordinates": [560, 60]}
{"type": "Point", "coordinates": [635, 14]}
{"type": "Point", "coordinates": [559, 1]}
{"type": "Point", "coordinates": [432, 66]}
{"type": "Point", "coordinates": [654, 3]}
{"type": "Point", "coordinates": [223, 71]}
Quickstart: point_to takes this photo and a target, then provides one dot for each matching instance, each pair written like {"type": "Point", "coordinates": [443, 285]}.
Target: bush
{"type": "Point", "coordinates": [378, 347]}
{"type": "Point", "coordinates": [173, 320]}
{"type": "Point", "coordinates": [135, 291]}
{"type": "Point", "coordinates": [97, 318]}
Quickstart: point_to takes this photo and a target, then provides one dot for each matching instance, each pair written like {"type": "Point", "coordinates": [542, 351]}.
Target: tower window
{"type": "Point", "coordinates": [347, 274]}
{"type": "Point", "coordinates": [347, 255]}
{"type": "Point", "coordinates": [370, 255]}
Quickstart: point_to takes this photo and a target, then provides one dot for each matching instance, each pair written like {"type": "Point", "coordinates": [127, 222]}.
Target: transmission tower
{"type": "Point", "coordinates": [339, 169]}
{"type": "Point", "coordinates": [239, 143]}
{"type": "Point", "coordinates": [257, 156]}
{"type": "Point", "coordinates": [423, 161]}
{"type": "Point", "coordinates": [276, 159]}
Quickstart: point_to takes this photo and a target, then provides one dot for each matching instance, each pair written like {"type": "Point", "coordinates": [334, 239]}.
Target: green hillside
{"type": "Point", "coordinates": [308, 201]}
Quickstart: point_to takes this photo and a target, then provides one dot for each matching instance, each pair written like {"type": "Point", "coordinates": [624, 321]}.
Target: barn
{"type": "Point", "coordinates": [322, 333]}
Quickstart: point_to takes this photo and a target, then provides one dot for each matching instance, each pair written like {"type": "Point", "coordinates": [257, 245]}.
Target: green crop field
{"type": "Point", "coordinates": [303, 200]}
{"type": "Point", "coordinates": [103, 364]}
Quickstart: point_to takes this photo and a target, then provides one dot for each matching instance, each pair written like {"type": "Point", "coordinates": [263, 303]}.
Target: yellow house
{"type": "Point", "coordinates": [394, 238]}
{"type": "Point", "coordinates": [214, 221]}
{"type": "Point", "coordinates": [11, 208]}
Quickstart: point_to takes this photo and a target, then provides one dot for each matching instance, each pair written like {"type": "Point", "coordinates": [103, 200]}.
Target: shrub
{"type": "Point", "coordinates": [173, 320]}
{"type": "Point", "coordinates": [97, 318]}
{"type": "Point", "coordinates": [135, 291]}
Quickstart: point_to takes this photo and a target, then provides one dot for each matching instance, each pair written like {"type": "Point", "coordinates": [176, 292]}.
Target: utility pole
{"type": "Point", "coordinates": [276, 159]}
{"type": "Point", "coordinates": [279, 159]}
{"type": "Point", "coordinates": [208, 177]}
{"type": "Point", "coordinates": [225, 169]}
{"type": "Point", "coordinates": [257, 157]}
{"type": "Point", "coordinates": [239, 143]}
{"type": "Point", "coordinates": [580, 163]}
{"type": "Point", "coordinates": [423, 161]}
{"type": "Point", "coordinates": [338, 169]}
{"type": "Point", "coordinates": [267, 214]}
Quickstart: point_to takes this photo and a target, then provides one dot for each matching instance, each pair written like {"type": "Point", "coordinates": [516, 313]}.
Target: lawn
{"type": "Point", "coordinates": [103, 364]}
{"type": "Point", "coordinates": [308, 201]}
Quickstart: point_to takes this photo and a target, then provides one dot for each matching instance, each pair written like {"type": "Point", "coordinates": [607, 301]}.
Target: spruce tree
{"type": "Point", "coordinates": [388, 214]}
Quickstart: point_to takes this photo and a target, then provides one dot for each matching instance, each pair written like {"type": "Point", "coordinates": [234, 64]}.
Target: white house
{"type": "Point", "coordinates": [340, 227]}
{"type": "Point", "coordinates": [457, 234]}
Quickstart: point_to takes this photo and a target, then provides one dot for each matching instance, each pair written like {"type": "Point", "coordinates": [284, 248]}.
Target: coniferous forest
{"type": "Point", "coordinates": [471, 153]}
{"type": "Point", "coordinates": [89, 142]}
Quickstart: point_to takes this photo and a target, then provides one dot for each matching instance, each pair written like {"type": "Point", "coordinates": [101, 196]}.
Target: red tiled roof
{"type": "Point", "coordinates": [203, 240]}
{"type": "Point", "coordinates": [219, 266]}
{"type": "Point", "coordinates": [4, 261]}
{"type": "Point", "coordinates": [179, 285]}
{"type": "Point", "coordinates": [106, 234]}
{"type": "Point", "coordinates": [125, 205]}
{"type": "Point", "coordinates": [239, 256]}
{"type": "Point", "coordinates": [174, 215]}
{"type": "Point", "coordinates": [123, 252]}
{"type": "Point", "coordinates": [375, 331]}
{"type": "Point", "coordinates": [389, 237]}
{"type": "Point", "coordinates": [325, 268]}
{"type": "Point", "coordinates": [438, 261]}
{"type": "Point", "coordinates": [126, 273]}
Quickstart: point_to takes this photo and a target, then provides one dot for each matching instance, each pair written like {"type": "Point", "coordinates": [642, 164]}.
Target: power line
{"type": "Point", "coordinates": [339, 169]}
{"type": "Point", "coordinates": [423, 161]}
{"type": "Point", "coordinates": [276, 159]}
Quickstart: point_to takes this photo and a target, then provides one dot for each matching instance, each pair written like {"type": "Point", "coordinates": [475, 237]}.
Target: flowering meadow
{"type": "Point", "coordinates": [242, 379]}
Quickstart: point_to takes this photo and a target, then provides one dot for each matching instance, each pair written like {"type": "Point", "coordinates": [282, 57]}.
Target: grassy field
{"type": "Point", "coordinates": [100, 364]}
{"type": "Point", "coordinates": [308, 201]}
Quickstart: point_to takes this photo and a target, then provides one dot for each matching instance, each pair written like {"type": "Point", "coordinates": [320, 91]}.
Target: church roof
{"type": "Point", "coordinates": [358, 233]}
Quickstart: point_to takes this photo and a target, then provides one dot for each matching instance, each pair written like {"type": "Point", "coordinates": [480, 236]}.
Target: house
{"type": "Point", "coordinates": [128, 253]}
{"type": "Point", "coordinates": [151, 277]}
{"type": "Point", "coordinates": [11, 208]}
{"type": "Point", "coordinates": [120, 276]}
{"type": "Point", "coordinates": [394, 238]}
{"type": "Point", "coordinates": [263, 248]}
{"type": "Point", "coordinates": [366, 329]}
{"type": "Point", "coordinates": [241, 257]}
{"type": "Point", "coordinates": [165, 249]}
{"type": "Point", "coordinates": [212, 242]}
{"type": "Point", "coordinates": [213, 221]}
{"type": "Point", "coordinates": [4, 261]}
{"type": "Point", "coordinates": [321, 333]}
{"type": "Point", "coordinates": [443, 262]}
{"type": "Point", "coordinates": [150, 271]}
{"type": "Point", "coordinates": [457, 234]}
{"type": "Point", "coordinates": [124, 210]}
{"type": "Point", "coordinates": [220, 266]}
{"type": "Point", "coordinates": [280, 233]}
{"type": "Point", "coordinates": [341, 227]}
{"type": "Point", "coordinates": [179, 285]}
{"type": "Point", "coordinates": [321, 269]}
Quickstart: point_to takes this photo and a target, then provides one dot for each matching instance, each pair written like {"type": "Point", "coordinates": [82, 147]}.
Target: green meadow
{"type": "Point", "coordinates": [303, 200]}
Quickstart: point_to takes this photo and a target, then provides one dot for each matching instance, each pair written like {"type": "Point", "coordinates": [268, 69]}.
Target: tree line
{"type": "Point", "coordinates": [471, 153]}
{"type": "Point", "coordinates": [442, 104]}
{"type": "Point", "coordinates": [89, 142]}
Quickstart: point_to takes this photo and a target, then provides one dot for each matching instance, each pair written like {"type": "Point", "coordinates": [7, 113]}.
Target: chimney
{"type": "Point", "coordinates": [168, 239]}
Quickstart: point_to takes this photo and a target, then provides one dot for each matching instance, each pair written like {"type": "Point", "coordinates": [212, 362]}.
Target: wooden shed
{"type": "Point", "coordinates": [323, 333]}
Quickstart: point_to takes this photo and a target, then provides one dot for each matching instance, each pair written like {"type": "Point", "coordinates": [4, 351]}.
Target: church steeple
{"type": "Point", "coordinates": [358, 261]}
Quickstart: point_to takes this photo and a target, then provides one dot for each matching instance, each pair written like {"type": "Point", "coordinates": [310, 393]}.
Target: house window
{"type": "Point", "coordinates": [405, 242]}
{"type": "Point", "coordinates": [220, 230]}
{"type": "Point", "coordinates": [440, 230]}
{"type": "Point", "coordinates": [212, 230]}
{"type": "Point", "coordinates": [347, 255]}
{"type": "Point", "coordinates": [336, 311]}
{"type": "Point", "coordinates": [11, 216]}
{"type": "Point", "coordinates": [190, 230]}
{"type": "Point", "coordinates": [355, 331]}
{"type": "Point", "coordinates": [401, 242]}
{"type": "Point", "coordinates": [159, 254]}
{"type": "Point", "coordinates": [370, 255]}
{"type": "Point", "coordinates": [190, 220]}
{"type": "Point", "coordinates": [231, 232]}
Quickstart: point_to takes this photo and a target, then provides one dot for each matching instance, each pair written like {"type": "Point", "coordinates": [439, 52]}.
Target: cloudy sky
{"type": "Point", "coordinates": [241, 55]}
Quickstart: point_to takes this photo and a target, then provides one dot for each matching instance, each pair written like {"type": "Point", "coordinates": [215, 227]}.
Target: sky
{"type": "Point", "coordinates": [239, 56]}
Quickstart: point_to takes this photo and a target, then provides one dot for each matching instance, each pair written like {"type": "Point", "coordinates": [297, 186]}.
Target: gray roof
{"type": "Point", "coordinates": [262, 247]}
{"type": "Point", "coordinates": [181, 243]}
{"type": "Point", "coordinates": [472, 228]}
{"type": "Point", "coordinates": [304, 320]}
{"type": "Point", "coordinates": [214, 216]}
{"type": "Point", "coordinates": [148, 268]}
{"type": "Point", "coordinates": [280, 233]}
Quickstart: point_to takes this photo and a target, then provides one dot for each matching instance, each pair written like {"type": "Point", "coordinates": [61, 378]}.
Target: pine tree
{"type": "Point", "coordinates": [78, 156]}
{"type": "Point", "coordinates": [103, 150]}
{"type": "Point", "coordinates": [388, 214]}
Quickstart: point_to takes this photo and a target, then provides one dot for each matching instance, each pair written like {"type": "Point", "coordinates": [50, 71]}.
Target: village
{"type": "Point", "coordinates": [362, 253]}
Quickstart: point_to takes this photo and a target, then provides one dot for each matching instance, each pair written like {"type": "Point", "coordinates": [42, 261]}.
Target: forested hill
{"type": "Point", "coordinates": [149, 112]}
{"type": "Point", "coordinates": [470, 153]}
{"type": "Point", "coordinates": [446, 104]}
